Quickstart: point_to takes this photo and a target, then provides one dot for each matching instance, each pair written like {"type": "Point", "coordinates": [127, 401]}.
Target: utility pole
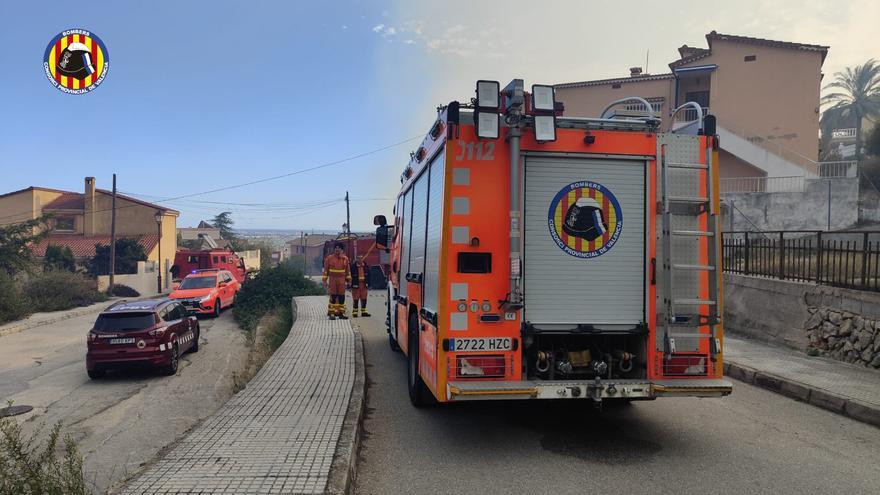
{"type": "Point", "coordinates": [348, 226]}
{"type": "Point", "coordinates": [112, 238]}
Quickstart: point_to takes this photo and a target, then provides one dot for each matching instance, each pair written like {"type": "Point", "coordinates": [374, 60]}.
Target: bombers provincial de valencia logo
{"type": "Point", "coordinates": [585, 219]}
{"type": "Point", "coordinates": [76, 61]}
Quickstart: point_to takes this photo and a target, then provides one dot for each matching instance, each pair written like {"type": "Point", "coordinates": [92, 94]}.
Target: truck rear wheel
{"type": "Point", "coordinates": [419, 394]}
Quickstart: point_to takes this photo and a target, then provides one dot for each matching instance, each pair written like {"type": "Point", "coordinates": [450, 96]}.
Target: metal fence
{"type": "Point", "coordinates": [849, 259]}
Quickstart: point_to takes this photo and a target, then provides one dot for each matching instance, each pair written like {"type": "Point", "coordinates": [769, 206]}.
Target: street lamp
{"type": "Point", "coordinates": [159, 268]}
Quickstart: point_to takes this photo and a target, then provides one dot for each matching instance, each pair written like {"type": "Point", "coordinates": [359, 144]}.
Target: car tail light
{"type": "Point", "coordinates": [687, 365]}
{"type": "Point", "coordinates": [92, 337]}
{"type": "Point", "coordinates": [157, 332]}
{"type": "Point", "coordinates": [479, 366]}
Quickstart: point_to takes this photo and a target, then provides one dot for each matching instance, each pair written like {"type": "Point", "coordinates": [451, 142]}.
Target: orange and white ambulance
{"type": "Point", "coordinates": [536, 256]}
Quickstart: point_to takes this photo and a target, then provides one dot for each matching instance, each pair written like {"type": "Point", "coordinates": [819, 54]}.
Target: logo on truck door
{"type": "Point", "coordinates": [585, 219]}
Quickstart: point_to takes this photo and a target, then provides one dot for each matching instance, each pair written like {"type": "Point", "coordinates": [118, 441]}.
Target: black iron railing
{"type": "Point", "coordinates": [848, 258]}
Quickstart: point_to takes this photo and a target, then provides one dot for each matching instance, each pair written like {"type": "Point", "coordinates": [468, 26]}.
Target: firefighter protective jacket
{"type": "Point", "coordinates": [337, 266]}
{"type": "Point", "coordinates": [360, 273]}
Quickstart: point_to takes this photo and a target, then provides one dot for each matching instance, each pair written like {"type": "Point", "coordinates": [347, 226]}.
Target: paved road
{"type": "Point", "coordinates": [124, 420]}
{"type": "Point", "coordinates": [753, 441]}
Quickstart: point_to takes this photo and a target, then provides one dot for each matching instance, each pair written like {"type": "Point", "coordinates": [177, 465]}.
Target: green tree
{"type": "Point", "coordinates": [856, 96]}
{"type": "Point", "coordinates": [223, 221]}
{"type": "Point", "coordinates": [17, 242]}
{"type": "Point", "coordinates": [128, 253]}
{"type": "Point", "coordinates": [59, 258]}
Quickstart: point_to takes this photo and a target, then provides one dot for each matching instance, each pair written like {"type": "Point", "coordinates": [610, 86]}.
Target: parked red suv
{"type": "Point", "coordinates": [153, 333]}
{"type": "Point", "coordinates": [207, 291]}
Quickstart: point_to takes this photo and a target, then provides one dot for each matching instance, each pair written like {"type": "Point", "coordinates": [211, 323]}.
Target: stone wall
{"type": "Point", "coordinates": [840, 323]}
{"type": "Point", "coordinates": [845, 336]}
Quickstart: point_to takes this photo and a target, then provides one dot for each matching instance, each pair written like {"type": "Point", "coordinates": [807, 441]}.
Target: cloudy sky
{"type": "Point", "coordinates": [207, 95]}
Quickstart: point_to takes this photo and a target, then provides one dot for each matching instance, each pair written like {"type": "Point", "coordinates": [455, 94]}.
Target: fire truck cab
{"type": "Point", "coordinates": [536, 256]}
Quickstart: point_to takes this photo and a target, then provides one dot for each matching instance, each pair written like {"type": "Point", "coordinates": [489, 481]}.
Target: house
{"type": "Point", "coordinates": [312, 247]}
{"type": "Point", "coordinates": [82, 220]}
{"type": "Point", "coordinates": [764, 94]}
{"type": "Point", "coordinates": [205, 236]}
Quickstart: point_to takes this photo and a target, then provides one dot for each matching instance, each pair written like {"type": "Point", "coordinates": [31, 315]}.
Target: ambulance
{"type": "Point", "coordinates": [538, 256]}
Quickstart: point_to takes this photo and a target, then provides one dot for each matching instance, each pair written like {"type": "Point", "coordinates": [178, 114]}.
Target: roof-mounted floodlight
{"type": "Point", "coordinates": [488, 95]}
{"type": "Point", "coordinates": [543, 98]}
{"type": "Point", "coordinates": [487, 124]}
{"type": "Point", "coordinates": [545, 128]}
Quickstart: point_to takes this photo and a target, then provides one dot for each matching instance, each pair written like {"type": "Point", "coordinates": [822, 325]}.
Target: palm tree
{"type": "Point", "coordinates": [856, 96]}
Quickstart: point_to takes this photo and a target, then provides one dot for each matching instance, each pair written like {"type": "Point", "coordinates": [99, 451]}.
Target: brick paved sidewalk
{"type": "Point", "coordinates": [279, 435]}
{"type": "Point", "coordinates": [846, 389]}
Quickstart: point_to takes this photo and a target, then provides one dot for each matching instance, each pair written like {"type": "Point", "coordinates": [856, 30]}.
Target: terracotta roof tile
{"type": "Point", "coordinates": [84, 246]}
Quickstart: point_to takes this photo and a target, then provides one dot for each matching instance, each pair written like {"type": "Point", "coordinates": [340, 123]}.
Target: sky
{"type": "Point", "coordinates": [208, 95]}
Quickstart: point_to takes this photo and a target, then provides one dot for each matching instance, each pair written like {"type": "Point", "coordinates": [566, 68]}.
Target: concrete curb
{"type": "Point", "coordinates": [850, 408]}
{"type": "Point", "coordinates": [343, 471]}
{"type": "Point", "coordinates": [71, 313]}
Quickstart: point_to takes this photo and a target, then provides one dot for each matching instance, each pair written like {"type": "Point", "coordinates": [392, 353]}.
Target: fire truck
{"type": "Point", "coordinates": [537, 256]}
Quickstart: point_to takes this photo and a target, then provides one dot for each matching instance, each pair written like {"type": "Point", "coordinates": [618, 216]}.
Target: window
{"type": "Point", "coordinates": [750, 58]}
{"type": "Point", "coordinates": [192, 259]}
{"type": "Point", "coordinates": [223, 259]}
{"type": "Point", "coordinates": [615, 86]}
{"type": "Point", "coordinates": [216, 260]}
{"type": "Point", "coordinates": [124, 322]}
{"type": "Point", "coordinates": [65, 224]}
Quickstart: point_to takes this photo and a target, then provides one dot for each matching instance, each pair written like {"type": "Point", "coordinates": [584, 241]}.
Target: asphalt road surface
{"type": "Point", "coordinates": [752, 441]}
{"type": "Point", "coordinates": [125, 419]}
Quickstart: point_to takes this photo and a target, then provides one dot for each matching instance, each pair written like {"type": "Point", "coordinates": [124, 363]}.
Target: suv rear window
{"type": "Point", "coordinates": [122, 322]}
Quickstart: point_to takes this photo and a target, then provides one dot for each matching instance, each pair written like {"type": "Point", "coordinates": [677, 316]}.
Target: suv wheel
{"type": "Point", "coordinates": [217, 308]}
{"type": "Point", "coordinates": [196, 334]}
{"type": "Point", "coordinates": [171, 369]}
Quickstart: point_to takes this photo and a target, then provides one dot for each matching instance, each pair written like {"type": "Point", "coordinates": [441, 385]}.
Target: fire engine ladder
{"type": "Point", "coordinates": [684, 177]}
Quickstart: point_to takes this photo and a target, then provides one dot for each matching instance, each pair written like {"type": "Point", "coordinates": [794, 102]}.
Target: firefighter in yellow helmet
{"type": "Point", "coordinates": [336, 275]}
{"type": "Point", "coordinates": [360, 282]}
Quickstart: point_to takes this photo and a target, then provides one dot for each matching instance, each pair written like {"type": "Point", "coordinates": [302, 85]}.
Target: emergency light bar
{"type": "Point", "coordinates": [487, 124]}
{"type": "Point", "coordinates": [543, 98]}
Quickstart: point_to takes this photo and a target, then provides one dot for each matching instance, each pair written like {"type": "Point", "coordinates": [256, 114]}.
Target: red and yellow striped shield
{"type": "Point", "coordinates": [585, 219]}
{"type": "Point", "coordinates": [76, 61]}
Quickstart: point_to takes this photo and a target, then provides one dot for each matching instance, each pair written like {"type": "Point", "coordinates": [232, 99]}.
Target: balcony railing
{"type": "Point", "coordinates": [843, 133]}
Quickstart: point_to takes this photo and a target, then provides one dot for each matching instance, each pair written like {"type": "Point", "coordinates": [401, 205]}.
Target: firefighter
{"type": "Point", "coordinates": [360, 282]}
{"type": "Point", "coordinates": [337, 274]}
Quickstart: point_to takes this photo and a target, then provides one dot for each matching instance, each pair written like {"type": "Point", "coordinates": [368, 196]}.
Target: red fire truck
{"type": "Point", "coordinates": [535, 256]}
{"type": "Point", "coordinates": [187, 261]}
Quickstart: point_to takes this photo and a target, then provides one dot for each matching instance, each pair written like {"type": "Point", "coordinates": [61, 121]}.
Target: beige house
{"type": "Point", "coordinates": [764, 93]}
{"type": "Point", "coordinates": [81, 220]}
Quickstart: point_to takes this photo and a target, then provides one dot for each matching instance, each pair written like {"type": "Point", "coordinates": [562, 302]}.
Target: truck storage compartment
{"type": "Point", "coordinates": [561, 356]}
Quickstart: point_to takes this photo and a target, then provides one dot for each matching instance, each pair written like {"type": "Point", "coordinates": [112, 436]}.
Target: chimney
{"type": "Point", "coordinates": [635, 71]}
{"type": "Point", "coordinates": [89, 207]}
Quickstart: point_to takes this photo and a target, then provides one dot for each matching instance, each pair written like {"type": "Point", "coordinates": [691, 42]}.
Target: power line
{"type": "Point", "coordinates": [258, 181]}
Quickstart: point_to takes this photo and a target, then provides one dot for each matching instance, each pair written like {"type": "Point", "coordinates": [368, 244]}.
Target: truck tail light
{"type": "Point", "coordinates": [479, 366]}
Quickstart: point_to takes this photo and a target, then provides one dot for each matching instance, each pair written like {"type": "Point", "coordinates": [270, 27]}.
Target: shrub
{"type": "Point", "coordinates": [128, 253]}
{"type": "Point", "coordinates": [55, 291]}
{"type": "Point", "coordinates": [271, 289]}
{"type": "Point", "coordinates": [12, 303]}
{"type": "Point", "coordinates": [59, 258]}
{"type": "Point", "coordinates": [29, 466]}
{"type": "Point", "coordinates": [120, 290]}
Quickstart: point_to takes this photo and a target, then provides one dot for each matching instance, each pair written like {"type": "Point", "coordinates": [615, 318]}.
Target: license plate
{"type": "Point", "coordinates": [481, 344]}
{"type": "Point", "coordinates": [127, 340]}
